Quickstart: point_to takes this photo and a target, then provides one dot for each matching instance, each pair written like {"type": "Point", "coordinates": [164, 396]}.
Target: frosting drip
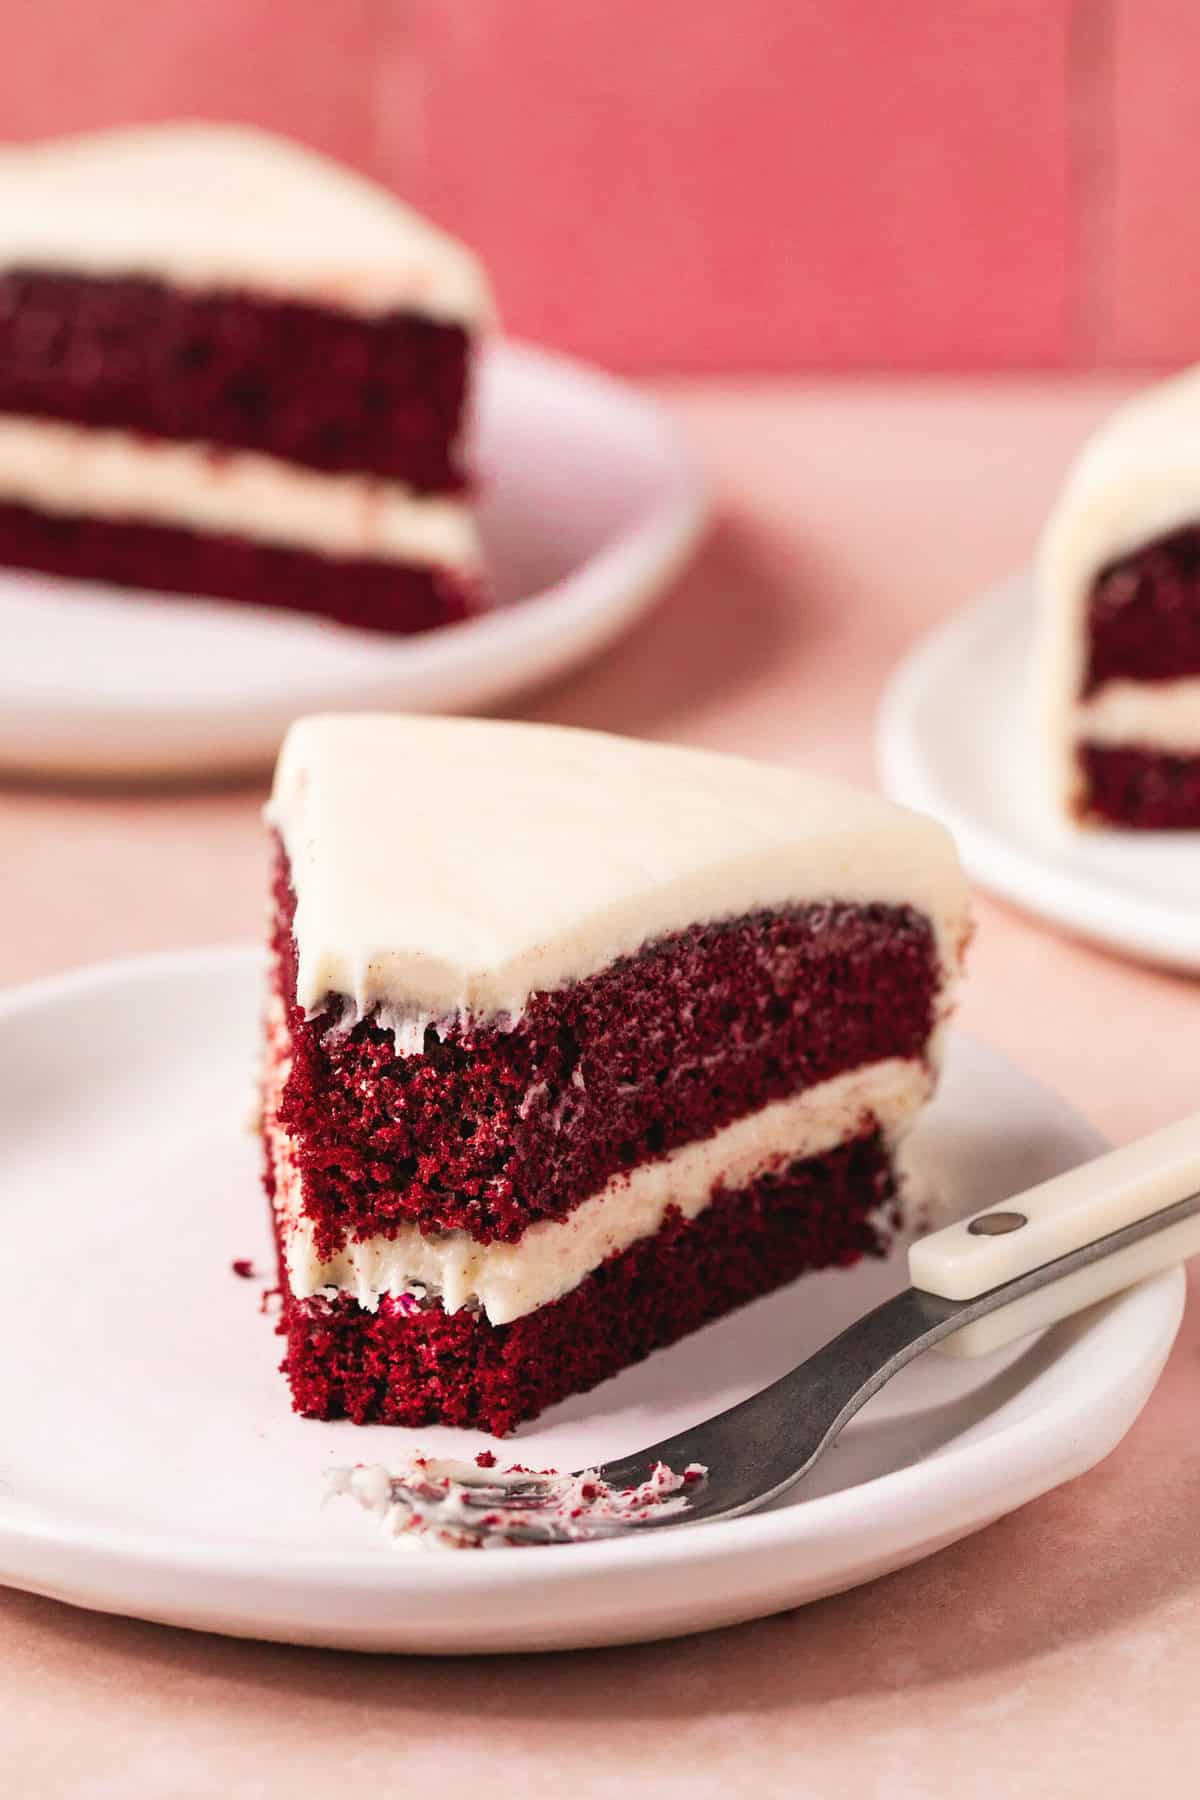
{"type": "Point", "coordinates": [450, 867]}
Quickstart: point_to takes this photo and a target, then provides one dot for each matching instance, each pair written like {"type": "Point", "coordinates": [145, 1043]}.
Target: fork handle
{"type": "Point", "coordinates": [1068, 1213]}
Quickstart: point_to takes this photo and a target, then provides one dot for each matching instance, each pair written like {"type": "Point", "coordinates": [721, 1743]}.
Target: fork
{"type": "Point", "coordinates": [977, 1285]}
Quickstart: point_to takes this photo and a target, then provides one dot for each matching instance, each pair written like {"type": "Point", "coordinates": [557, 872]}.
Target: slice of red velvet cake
{"type": "Point", "coordinates": [230, 368]}
{"type": "Point", "coordinates": [1118, 661]}
{"type": "Point", "coordinates": [573, 1044]}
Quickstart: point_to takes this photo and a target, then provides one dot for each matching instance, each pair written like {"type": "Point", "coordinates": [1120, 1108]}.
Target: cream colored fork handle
{"type": "Point", "coordinates": [1046, 1222]}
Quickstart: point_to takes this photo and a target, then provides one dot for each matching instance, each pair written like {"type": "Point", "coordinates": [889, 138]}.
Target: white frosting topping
{"type": "Point", "coordinates": [1150, 715]}
{"type": "Point", "coordinates": [554, 1255]}
{"type": "Point", "coordinates": [1137, 479]}
{"type": "Point", "coordinates": [450, 867]}
{"type": "Point", "coordinates": [225, 206]}
{"type": "Point", "coordinates": [115, 475]}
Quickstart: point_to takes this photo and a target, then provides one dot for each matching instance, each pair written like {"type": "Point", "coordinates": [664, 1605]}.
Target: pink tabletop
{"type": "Point", "coordinates": [1053, 1654]}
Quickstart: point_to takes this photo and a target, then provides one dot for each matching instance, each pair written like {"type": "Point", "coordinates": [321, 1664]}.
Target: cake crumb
{"type": "Point", "coordinates": [243, 1266]}
{"type": "Point", "coordinates": [434, 1503]}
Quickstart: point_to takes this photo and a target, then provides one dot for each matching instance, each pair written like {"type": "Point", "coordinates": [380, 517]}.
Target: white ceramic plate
{"type": "Point", "coordinates": [954, 740]}
{"type": "Point", "coordinates": [149, 1463]}
{"type": "Point", "coordinates": [589, 506]}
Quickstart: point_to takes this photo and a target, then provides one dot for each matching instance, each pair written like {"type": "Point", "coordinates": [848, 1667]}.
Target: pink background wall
{"type": "Point", "coordinates": [712, 184]}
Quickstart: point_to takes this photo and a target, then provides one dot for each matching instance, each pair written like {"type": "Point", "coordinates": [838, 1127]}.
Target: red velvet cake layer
{"type": "Point", "coordinates": [1146, 790]}
{"type": "Point", "coordinates": [410, 1365]}
{"type": "Point", "coordinates": [331, 390]}
{"type": "Point", "coordinates": [1143, 618]}
{"type": "Point", "coordinates": [376, 596]}
{"type": "Point", "coordinates": [490, 1130]}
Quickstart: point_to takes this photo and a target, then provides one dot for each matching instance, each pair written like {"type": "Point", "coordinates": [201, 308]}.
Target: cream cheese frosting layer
{"type": "Point", "coordinates": [1137, 479]}
{"type": "Point", "coordinates": [225, 206]}
{"type": "Point", "coordinates": [447, 868]}
{"type": "Point", "coordinates": [72, 469]}
{"type": "Point", "coordinates": [554, 1256]}
{"type": "Point", "coordinates": [1150, 715]}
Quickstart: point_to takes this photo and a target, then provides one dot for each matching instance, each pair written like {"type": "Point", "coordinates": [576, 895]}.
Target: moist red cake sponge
{"type": "Point", "coordinates": [573, 1045]}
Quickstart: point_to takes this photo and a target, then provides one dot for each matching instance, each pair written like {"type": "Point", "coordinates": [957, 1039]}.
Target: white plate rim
{"type": "Point", "coordinates": [1149, 930]}
{"type": "Point", "coordinates": [1004, 1468]}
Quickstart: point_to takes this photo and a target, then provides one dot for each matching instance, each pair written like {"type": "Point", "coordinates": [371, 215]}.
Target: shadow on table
{"type": "Point", "coordinates": [721, 627]}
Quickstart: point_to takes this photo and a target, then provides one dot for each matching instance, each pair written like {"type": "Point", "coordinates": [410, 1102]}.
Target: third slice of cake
{"type": "Point", "coordinates": [574, 1044]}
{"type": "Point", "coordinates": [1118, 650]}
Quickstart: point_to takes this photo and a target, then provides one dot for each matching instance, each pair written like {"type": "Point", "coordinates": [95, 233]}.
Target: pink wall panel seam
{"type": "Point", "coordinates": [1091, 124]}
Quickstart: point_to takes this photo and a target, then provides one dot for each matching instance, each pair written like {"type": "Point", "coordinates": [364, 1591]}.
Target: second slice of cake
{"type": "Point", "coordinates": [574, 1044]}
{"type": "Point", "coordinates": [231, 369]}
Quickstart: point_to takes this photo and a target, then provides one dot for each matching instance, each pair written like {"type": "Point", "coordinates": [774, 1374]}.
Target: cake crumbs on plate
{"type": "Point", "coordinates": [438, 1503]}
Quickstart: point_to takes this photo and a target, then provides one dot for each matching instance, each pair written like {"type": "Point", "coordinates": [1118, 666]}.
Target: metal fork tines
{"type": "Point", "coordinates": [459, 1504]}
